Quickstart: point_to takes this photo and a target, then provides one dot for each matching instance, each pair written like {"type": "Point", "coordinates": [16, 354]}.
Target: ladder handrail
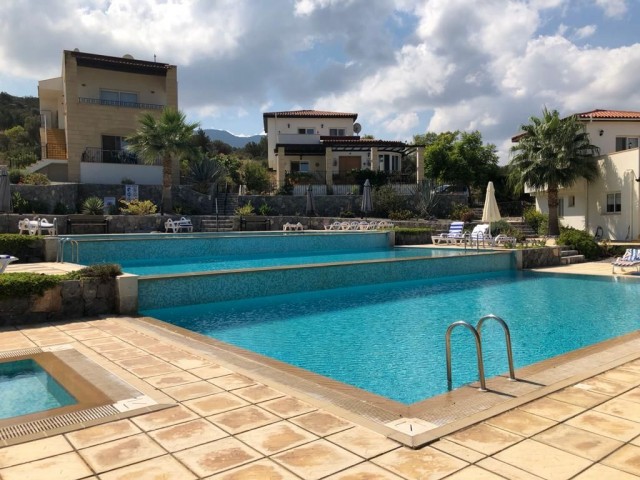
{"type": "Point", "coordinates": [507, 339]}
{"type": "Point", "coordinates": [483, 387]}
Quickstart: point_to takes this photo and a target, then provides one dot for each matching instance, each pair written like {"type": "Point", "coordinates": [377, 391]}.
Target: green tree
{"type": "Point", "coordinates": [459, 158]}
{"type": "Point", "coordinates": [255, 176]}
{"type": "Point", "coordinates": [169, 137]}
{"type": "Point", "coordinates": [552, 153]}
{"type": "Point", "coordinates": [257, 150]}
{"type": "Point", "coordinates": [204, 172]}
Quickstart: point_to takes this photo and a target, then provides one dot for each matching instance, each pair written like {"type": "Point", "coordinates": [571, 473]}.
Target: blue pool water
{"type": "Point", "coordinates": [25, 387]}
{"type": "Point", "coordinates": [154, 266]}
{"type": "Point", "coordinates": [389, 338]}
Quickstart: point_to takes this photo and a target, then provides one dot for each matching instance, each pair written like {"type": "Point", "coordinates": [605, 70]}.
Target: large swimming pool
{"type": "Point", "coordinates": [389, 338]}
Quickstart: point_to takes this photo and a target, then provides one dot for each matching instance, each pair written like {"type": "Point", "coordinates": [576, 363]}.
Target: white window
{"type": "Point", "coordinates": [114, 97]}
{"type": "Point", "coordinates": [614, 202]}
{"type": "Point", "coordinates": [626, 143]}
{"type": "Point", "coordinates": [337, 132]}
{"type": "Point", "coordinates": [306, 131]}
{"type": "Point", "coordinates": [299, 166]}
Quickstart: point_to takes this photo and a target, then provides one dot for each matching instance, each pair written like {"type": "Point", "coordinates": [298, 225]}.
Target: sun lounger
{"type": "Point", "coordinates": [5, 260]}
{"type": "Point", "coordinates": [292, 226]}
{"type": "Point", "coordinates": [502, 240]}
{"type": "Point", "coordinates": [384, 224]}
{"type": "Point", "coordinates": [631, 258]}
{"type": "Point", "coordinates": [333, 226]}
{"type": "Point", "coordinates": [481, 234]}
{"type": "Point", "coordinates": [455, 234]}
{"type": "Point", "coordinates": [175, 226]}
{"type": "Point", "coordinates": [37, 226]}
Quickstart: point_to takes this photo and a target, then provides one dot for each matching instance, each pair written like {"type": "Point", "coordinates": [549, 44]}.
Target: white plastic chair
{"type": "Point", "coordinates": [5, 260]}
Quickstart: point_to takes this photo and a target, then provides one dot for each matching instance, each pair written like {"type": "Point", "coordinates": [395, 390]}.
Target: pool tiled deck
{"type": "Point", "coordinates": [222, 423]}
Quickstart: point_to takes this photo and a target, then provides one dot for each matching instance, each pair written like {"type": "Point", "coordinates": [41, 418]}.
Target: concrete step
{"type": "Point", "coordinates": [570, 259]}
{"type": "Point", "coordinates": [222, 225]}
{"type": "Point", "coordinates": [568, 253]}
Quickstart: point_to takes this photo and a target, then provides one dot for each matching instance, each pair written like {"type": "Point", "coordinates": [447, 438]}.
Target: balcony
{"type": "Point", "coordinates": [116, 103]}
{"type": "Point", "coordinates": [298, 139]}
{"type": "Point", "coordinates": [98, 155]}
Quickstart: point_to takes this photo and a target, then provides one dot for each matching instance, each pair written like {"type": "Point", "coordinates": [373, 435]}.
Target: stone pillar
{"type": "Point", "coordinates": [281, 167]}
{"type": "Point", "coordinates": [328, 161]}
{"type": "Point", "coordinates": [419, 165]}
{"type": "Point", "coordinates": [375, 162]}
{"type": "Point", "coordinates": [75, 146]}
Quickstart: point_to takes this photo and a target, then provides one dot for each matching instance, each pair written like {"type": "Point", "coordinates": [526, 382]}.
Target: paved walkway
{"type": "Point", "coordinates": [222, 424]}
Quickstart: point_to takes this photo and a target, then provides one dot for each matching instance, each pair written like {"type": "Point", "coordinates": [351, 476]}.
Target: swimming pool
{"type": "Point", "coordinates": [26, 387]}
{"type": "Point", "coordinates": [388, 338]}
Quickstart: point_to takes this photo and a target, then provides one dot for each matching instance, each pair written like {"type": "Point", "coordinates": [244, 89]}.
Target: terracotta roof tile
{"type": "Point", "coordinates": [609, 115]}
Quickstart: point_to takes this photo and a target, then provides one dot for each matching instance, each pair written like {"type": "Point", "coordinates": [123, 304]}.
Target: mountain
{"type": "Point", "coordinates": [230, 138]}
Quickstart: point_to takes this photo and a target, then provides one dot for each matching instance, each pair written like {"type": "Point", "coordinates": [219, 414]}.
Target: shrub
{"type": "Point", "coordinates": [346, 214]}
{"type": "Point", "coordinates": [35, 179]}
{"type": "Point", "coordinates": [20, 204]}
{"type": "Point", "coordinates": [138, 207]}
{"type": "Point", "coordinates": [127, 181]}
{"type": "Point", "coordinates": [582, 241]}
{"type": "Point", "coordinates": [15, 175]}
{"type": "Point", "coordinates": [538, 221]}
{"type": "Point", "coordinates": [255, 176]}
{"type": "Point", "coordinates": [61, 209]}
{"type": "Point", "coordinates": [461, 212]}
{"type": "Point", "coordinates": [503, 227]}
{"type": "Point", "coordinates": [401, 215]}
{"type": "Point", "coordinates": [387, 200]}
{"type": "Point", "coordinates": [103, 271]}
{"type": "Point", "coordinates": [17, 245]}
{"type": "Point", "coordinates": [246, 209]}
{"type": "Point", "coordinates": [264, 209]}
{"type": "Point", "coordinates": [93, 206]}
{"type": "Point", "coordinates": [24, 284]}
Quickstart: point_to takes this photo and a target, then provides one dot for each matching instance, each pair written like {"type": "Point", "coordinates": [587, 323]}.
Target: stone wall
{"type": "Point", "coordinates": [538, 257]}
{"type": "Point", "coordinates": [69, 299]}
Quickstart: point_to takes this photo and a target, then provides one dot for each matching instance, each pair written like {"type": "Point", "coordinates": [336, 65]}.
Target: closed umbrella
{"type": "Point", "coordinates": [5, 191]}
{"type": "Point", "coordinates": [311, 209]}
{"type": "Point", "coordinates": [490, 212]}
{"type": "Point", "coordinates": [367, 204]}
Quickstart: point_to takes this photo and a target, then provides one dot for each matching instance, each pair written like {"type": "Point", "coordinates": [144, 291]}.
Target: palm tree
{"type": "Point", "coordinates": [169, 137]}
{"type": "Point", "coordinates": [552, 153]}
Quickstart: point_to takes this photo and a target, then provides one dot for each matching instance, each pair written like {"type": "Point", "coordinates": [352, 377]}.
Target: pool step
{"type": "Point", "coordinates": [568, 256]}
{"type": "Point", "coordinates": [223, 224]}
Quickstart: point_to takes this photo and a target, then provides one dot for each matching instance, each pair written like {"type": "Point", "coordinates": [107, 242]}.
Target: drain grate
{"type": "Point", "coordinates": [19, 353]}
{"type": "Point", "coordinates": [58, 421]}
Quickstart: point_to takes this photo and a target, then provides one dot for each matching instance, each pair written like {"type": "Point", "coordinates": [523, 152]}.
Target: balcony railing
{"type": "Point", "coordinates": [116, 103]}
{"type": "Point", "coordinates": [99, 155]}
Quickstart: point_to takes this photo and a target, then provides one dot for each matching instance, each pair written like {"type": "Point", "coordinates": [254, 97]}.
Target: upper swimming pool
{"type": "Point", "coordinates": [389, 338]}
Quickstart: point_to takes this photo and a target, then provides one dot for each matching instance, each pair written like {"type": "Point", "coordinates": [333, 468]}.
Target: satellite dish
{"type": "Point", "coordinates": [357, 127]}
{"type": "Point", "coordinates": [128, 56]}
{"type": "Point", "coordinates": [76, 49]}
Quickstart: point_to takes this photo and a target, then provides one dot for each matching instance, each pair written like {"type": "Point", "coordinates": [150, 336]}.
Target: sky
{"type": "Point", "coordinates": [405, 67]}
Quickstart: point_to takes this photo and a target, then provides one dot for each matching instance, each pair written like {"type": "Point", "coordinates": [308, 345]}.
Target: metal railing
{"type": "Point", "coordinates": [117, 103]}
{"type": "Point", "coordinates": [99, 155]}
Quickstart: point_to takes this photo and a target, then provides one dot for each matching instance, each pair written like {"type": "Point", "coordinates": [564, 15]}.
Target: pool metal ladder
{"type": "Point", "coordinates": [75, 250]}
{"type": "Point", "coordinates": [476, 331]}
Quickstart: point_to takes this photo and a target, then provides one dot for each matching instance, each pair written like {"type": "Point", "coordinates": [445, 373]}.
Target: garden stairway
{"type": "Point", "coordinates": [222, 224]}
{"type": "Point", "coordinates": [569, 256]}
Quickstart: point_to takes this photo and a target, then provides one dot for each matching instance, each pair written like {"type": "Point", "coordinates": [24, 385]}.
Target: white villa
{"type": "Point", "coordinates": [612, 201]}
{"type": "Point", "coordinates": [326, 145]}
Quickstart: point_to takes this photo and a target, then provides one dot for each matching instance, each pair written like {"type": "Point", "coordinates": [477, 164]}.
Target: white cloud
{"type": "Point", "coordinates": [586, 31]}
{"type": "Point", "coordinates": [613, 8]}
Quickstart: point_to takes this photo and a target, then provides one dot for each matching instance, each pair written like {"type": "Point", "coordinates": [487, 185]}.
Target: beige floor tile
{"type": "Point", "coordinates": [287, 407]}
{"type": "Point", "coordinates": [192, 390]}
{"type": "Point", "coordinates": [580, 397]}
{"type": "Point", "coordinates": [259, 470]}
{"type": "Point", "coordinates": [579, 442]}
{"type": "Point", "coordinates": [258, 393]}
{"type": "Point", "coordinates": [210, 371]}
{"type": "Point", "coordinates": [155, 370]}
{"type": "Point", "coordinates": [426, 463]}
{"type": "Point", "coordinates": [364, 471]}
{"type": "Point", "coordinates": [506, 470]}
{"type": "Point", "coordinates": [233, 381]}
{"type": "Point", "coordinates": [600, 472]}
{"type": "Point", "coordinates": [164, 418]}
{"type": "Point", "coordinates": [160, 468]}
{"type": "Point", "coordinates": [632, 395]}
{"type": "Point", "coordinates": [474, 473]}
{"type": "Point", "coordinates": [542, 460]}
{"type": "Point", "coordinates": [458, 451]}
{"type": "Point", "coordinates": [184, 360]}
{"type": "Point", "coordinates": [622, 376]}
{"type": "Point", "coordinates": [521, 423]}
{"type": "Point", "coordinates": [552, 409]}
{"type": "Point", "coordinates": [276, 437]}
{"type": "Point", "coordinates": [626, 459]}
{"type": "Point", "coordinates": [171, 379]}
{"type": "Point", "coordinates": [243, 419]}
{"type": "Point", "coordinates": [216, 403]}
{"type": "Point", "coordinates": [144, 360]}
{"type": "Point", "coordinates": [215, 457]}
{"type": "Point", "coordinates": [363, 442]}
{"type": "Point", "coordinates": [87, 333]}
{"type": "Point", "coordinates": [321, 423]}
{"type": "Point", "coordinates": [607, 425]}
{"type": "Point", "coordinates": [123, 354]}
{"type": "Point", "coordinates": [68, 466]}
{"type": "Point", "coordinates": [485, 438]}
{"type": "Point", "coordinates": [605, 386]}
{"type": "Point", "coordinates": [120, 453]}
{"type": "Point", "coordinates": [316, 460]}
{"type": "Point", "coordinates": [622, 408]}
{"type": "Point", "coordinates": [28, 452]}
{"type": "Point", "coordinates": [187, 435]}
{"type": "Point", "coordinates": [88, 437]}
